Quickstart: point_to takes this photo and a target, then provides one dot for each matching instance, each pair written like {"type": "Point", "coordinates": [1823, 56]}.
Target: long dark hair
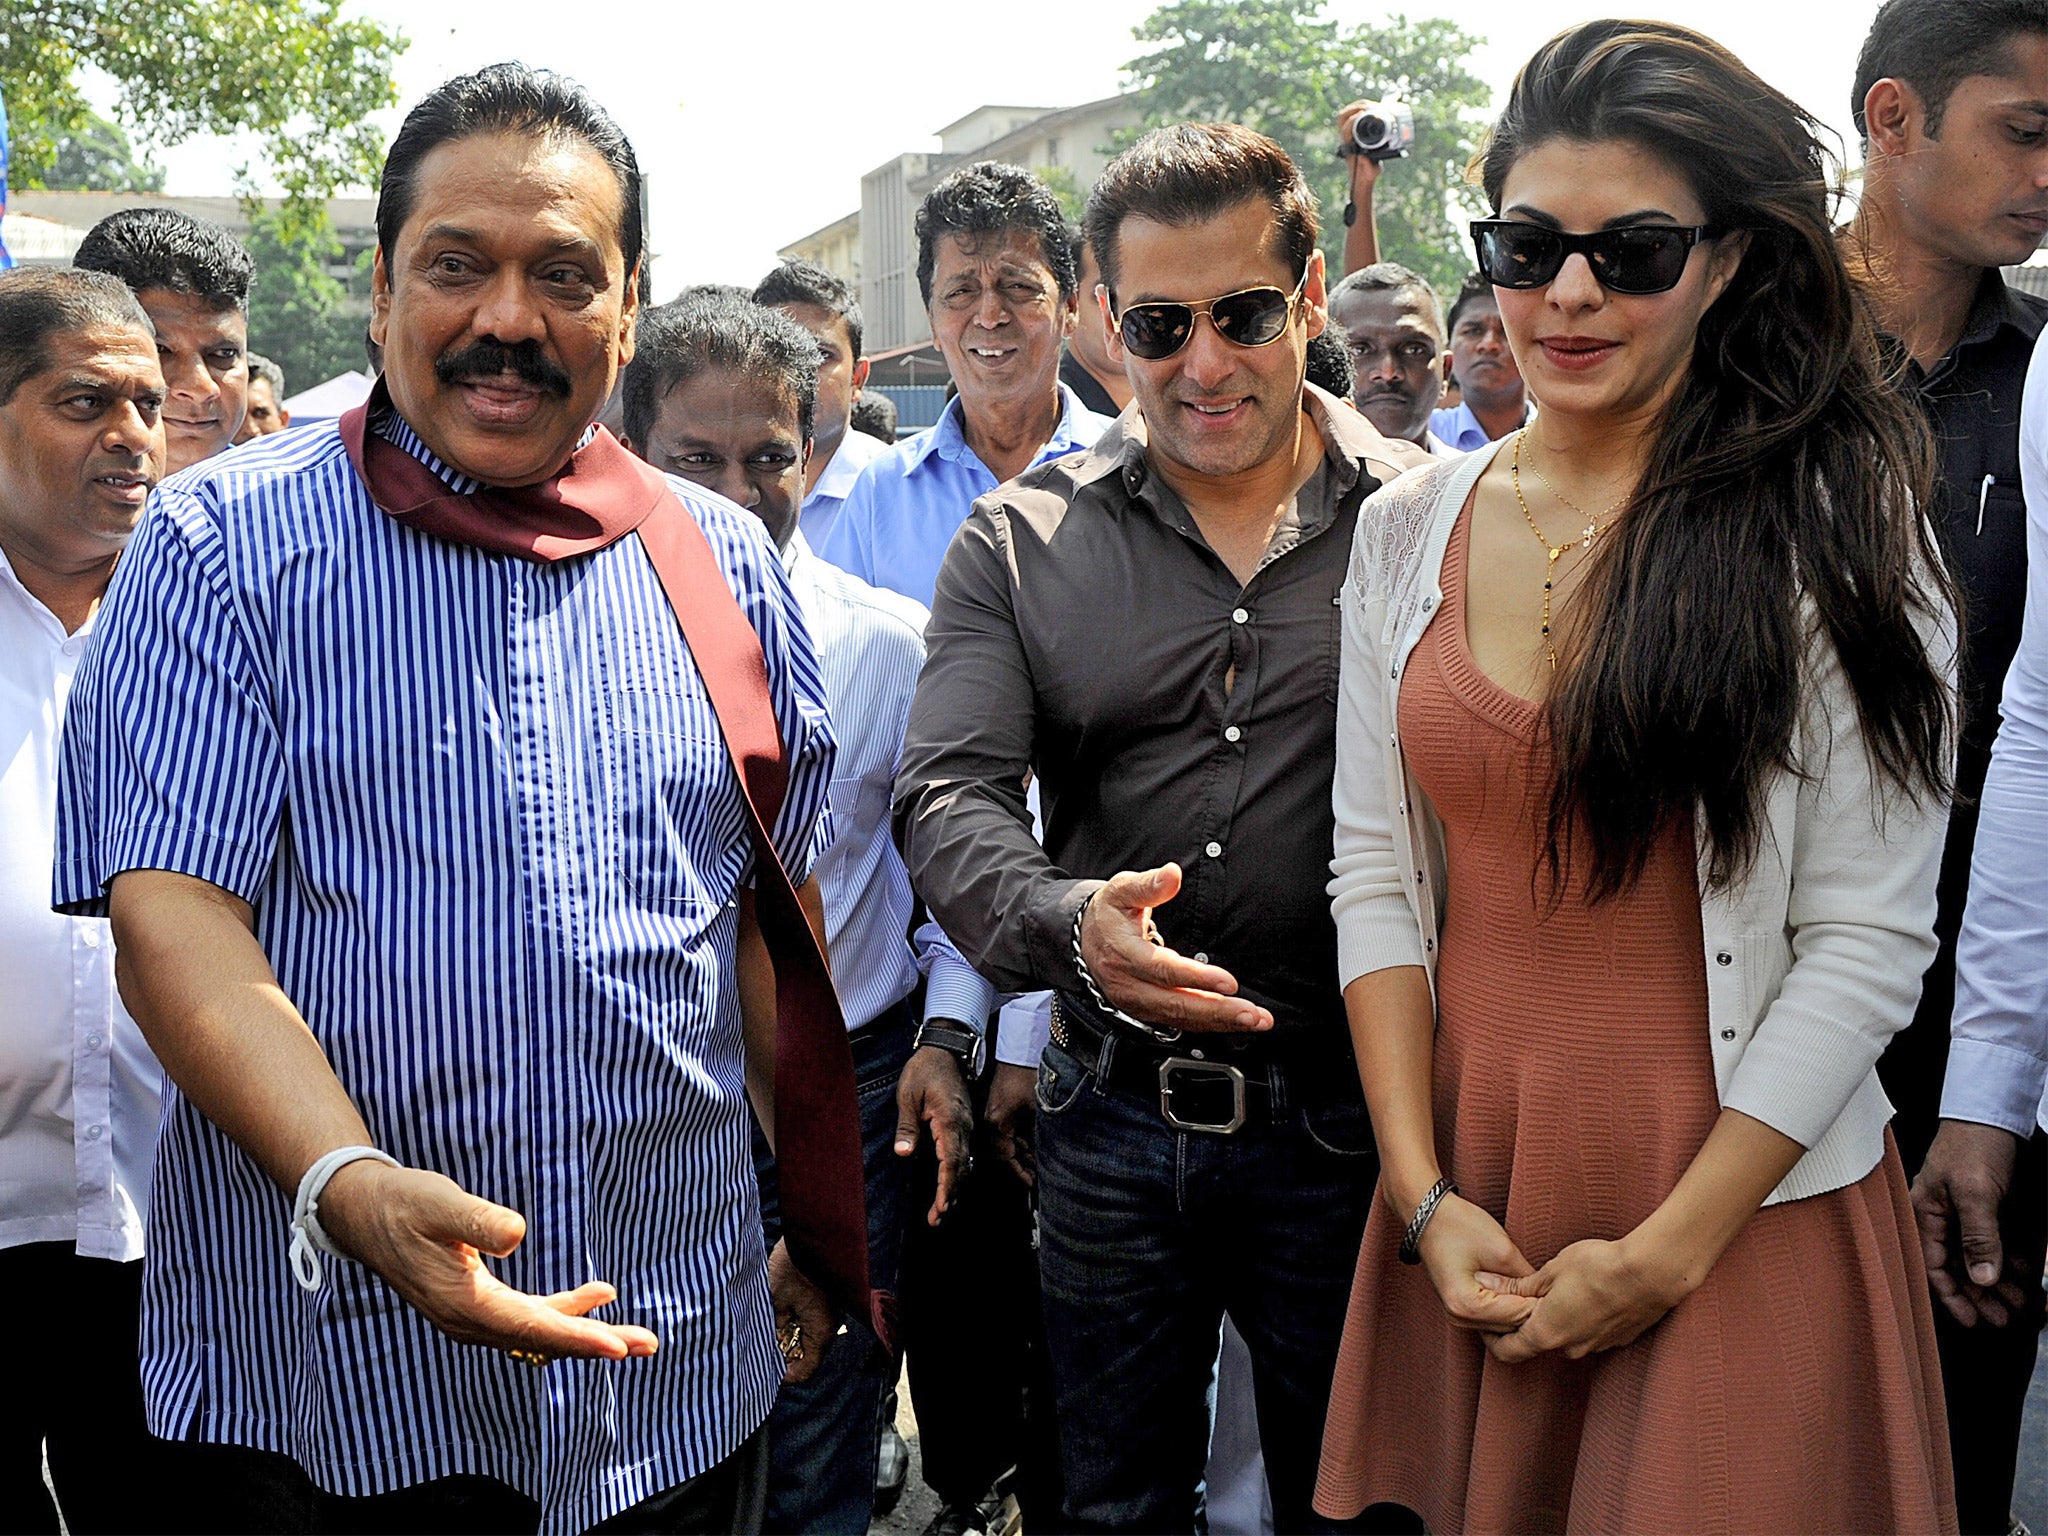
{"type": "Point", "coordinates": [1780, 512]}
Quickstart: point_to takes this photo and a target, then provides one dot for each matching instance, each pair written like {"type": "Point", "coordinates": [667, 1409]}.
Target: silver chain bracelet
{"type": "Point", "coordinates": [1164, 1036]}
{"type": "Point", "coordinates": [1411, 1240]}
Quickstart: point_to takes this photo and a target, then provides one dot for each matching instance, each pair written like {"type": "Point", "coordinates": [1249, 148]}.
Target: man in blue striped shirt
{"type": "Point", "coordinates": [425, 851]}
{"type": "Point", "coordinates": [721, 391]}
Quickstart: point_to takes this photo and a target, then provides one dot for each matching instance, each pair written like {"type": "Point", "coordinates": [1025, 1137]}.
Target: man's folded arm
{"type": "Point", "coordinates": [960, 813]}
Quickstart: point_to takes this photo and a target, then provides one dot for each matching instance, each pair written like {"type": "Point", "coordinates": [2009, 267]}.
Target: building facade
{"type": "Point", "coordinates": [875, 248]}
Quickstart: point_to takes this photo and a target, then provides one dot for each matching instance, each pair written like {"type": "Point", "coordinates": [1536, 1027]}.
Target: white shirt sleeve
{"type": "Point", "coordinates": [1998, 1052]}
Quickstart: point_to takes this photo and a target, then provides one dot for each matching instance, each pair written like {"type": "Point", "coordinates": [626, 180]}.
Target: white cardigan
{"type": "Point", "coordinates": [1813, 961]}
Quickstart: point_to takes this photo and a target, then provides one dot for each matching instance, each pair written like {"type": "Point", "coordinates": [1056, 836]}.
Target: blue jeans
{"type": "Point", "coordinates": [825, 1433]}
{"type": "Point", "coordinates": [1147, 1237]}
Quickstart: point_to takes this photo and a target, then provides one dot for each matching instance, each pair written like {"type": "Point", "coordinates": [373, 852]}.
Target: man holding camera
{"type": "Point", "coordinates": [1369, 134]}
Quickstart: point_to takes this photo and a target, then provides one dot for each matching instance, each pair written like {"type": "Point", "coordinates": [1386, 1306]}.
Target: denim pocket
{"type": "Point", "coordinates": [1060, 1080]}
{"type": "Point", "coordinates": [1342, 1130]}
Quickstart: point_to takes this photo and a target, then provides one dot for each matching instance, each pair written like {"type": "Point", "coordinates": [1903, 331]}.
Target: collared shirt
{"type": "Point", "coordinates": [908, 504]}
{"type": "Point", "coordinates": [1437, 448]}
{"type": "Point", "coordinates": [1086, 387]}
{"type": "Point", "coordinates": [78, 1086]}
{"type": "Point", "coordinates": [485, 816]}
{"type": "Point", "coordinates": [870, 648]}
{"type": "Point", "coordinates": [855, 453]}
{"type": "Point", "coordinates": [1972, 400]}
{"type": "Point", "coordinates": [1998, 1055]}
{"type": "Point", "coordinates": [1460, 430]}
{"type": "Point", "coordinates": [1085, 630]}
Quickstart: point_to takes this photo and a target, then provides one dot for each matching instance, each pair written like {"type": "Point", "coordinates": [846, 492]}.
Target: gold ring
{"type": "Point", "coordinates": [791, 1341]}
{"type": "Point", "coordinates": [528, 1356]}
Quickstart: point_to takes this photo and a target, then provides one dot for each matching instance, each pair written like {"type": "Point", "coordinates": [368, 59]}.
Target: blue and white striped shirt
{"type": "Point", "coordinates": [870, 645]}
{"type": "Point", "coordinates": [485, 816]}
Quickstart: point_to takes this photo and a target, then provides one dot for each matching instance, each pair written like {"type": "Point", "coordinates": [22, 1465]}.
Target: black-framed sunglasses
{"type": "Point", "coordinates": [1636, 258]}
{"type": "Point", "coordinates": [1251, 317]}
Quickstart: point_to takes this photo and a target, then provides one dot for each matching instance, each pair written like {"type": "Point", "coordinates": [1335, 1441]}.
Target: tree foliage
{"type": "Point", "coordinates": [97, 157]}
{"type": "Point", "coordinates": [1286, 70]}
{"type": "Point", "coordinates": [297, 73]}
{"type": "Point", "coordinates": [301, 316]}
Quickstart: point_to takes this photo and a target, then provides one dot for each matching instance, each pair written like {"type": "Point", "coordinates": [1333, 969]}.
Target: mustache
{"type": "Point", "coordinates": [489, 359]}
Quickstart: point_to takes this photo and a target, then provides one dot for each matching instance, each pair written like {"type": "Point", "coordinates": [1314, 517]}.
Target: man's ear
{"type": "Point", "coordinates": [1894, 116]}
{"type": "Point", "coordinates": [1070, 313]}
{"type": "Point", "coordinates": [807, 452]}
{"type": "Point", "coordinates": [380, 297]}
{"type": "Point", "coordinates": [1315, 296]}
{"type": "Point", "coordinates": [860, 375]}
{"type": "Point", "coordinates": [629, 317]}
{"type": "Point", "coordinates": [1113, 337]}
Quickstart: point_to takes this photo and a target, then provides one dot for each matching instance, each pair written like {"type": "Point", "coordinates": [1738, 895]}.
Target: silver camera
{"type": "Point", "coordinates": [1385, 130]}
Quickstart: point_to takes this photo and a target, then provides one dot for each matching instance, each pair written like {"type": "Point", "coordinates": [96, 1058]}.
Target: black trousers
{"type": "Point", "coordinates": [236, 1491]}
{"type": "Point", "coordinates": [973, 1337]}
{"type": "Point", "coordinates": [71, 1389]}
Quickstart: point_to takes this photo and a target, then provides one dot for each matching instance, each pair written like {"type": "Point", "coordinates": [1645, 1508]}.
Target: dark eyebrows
{"type": "Point", "coordinates": [1620, 221]}
{"type": "Point", "coordinates": [454, 232]}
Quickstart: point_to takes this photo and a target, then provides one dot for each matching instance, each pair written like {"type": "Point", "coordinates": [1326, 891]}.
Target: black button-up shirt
{"type": "Point", "coordinates": [1084, 630]}
{"type": "Point", "coordinates": [1972, 401]}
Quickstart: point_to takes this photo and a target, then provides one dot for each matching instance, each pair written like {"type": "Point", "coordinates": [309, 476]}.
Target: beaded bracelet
{"type": "Point", "coordinates": [1411, 1240]}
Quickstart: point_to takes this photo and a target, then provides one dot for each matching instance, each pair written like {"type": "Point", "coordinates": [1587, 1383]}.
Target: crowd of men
{"type": "Point", "coordinates": [464, 857]}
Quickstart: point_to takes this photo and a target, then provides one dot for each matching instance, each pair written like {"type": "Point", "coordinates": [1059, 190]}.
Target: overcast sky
{"type": "Point", "coordinates": [754, 122]}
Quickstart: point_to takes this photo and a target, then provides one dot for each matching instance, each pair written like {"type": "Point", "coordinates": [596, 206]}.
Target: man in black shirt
{"type": "Point", "coordinates": [1151, 628]}
{"type": "Point", "coordinates": [1088, 369]}
{"type": "Point", "coordinates": [1952, 100]}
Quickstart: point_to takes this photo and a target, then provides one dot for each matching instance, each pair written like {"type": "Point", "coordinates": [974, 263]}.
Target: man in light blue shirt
{"type": "Point", "coordinates": [996, 268]}
{"type": "Point", "coordinates": [722, 391]}
{"type": "Point", "coordinates": [1979, 1194]}
{"type": "Point", "coordinates": [1492, 401]}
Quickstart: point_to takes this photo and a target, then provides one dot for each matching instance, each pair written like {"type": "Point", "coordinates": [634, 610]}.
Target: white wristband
{"type": "Point", "coordinates": [308, 1240]}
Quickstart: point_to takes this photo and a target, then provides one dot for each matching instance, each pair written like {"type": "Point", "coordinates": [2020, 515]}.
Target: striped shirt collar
{"type": "Point", "coordinates": [397, 431]}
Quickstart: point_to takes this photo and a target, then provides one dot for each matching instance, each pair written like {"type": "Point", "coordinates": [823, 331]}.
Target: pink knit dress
{"type": "Point", "coordinates": [1796, 1390]}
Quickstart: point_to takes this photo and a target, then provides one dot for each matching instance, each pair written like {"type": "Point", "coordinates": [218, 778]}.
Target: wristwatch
{"type": "Point", "coordinates": [955, 1039]}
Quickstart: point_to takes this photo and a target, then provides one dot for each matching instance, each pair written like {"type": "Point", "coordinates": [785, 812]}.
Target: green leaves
{"type": "Point", "coordinates": [298, 73]}
{"type": "Point", "coordinates": [300, 316]}
{"type": "Point", "coordinates": [1286, 70]}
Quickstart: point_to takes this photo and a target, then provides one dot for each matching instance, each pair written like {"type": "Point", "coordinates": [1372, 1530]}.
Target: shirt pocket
{"type": "Point", "coordinates": [683, 840]}
{"type": "Point", "coordinates": [860, 809]}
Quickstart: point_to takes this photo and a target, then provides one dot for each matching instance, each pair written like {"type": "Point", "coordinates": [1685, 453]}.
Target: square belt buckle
{"type": "Point", "coordinates": [1212, 1071]}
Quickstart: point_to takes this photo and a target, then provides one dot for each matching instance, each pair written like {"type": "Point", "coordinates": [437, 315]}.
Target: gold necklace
{"type": "Point", "coordinates": [1593, 529]}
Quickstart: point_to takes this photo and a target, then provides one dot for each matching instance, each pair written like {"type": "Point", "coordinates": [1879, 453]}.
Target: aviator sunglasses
{"type": "Point", "coordinates": [1636, 258]}
{"type": "Point", "coordinates": [1252, 317]}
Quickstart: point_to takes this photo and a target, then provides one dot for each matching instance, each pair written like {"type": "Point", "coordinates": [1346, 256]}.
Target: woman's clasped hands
{"type": "Point", "coordinates": [1594, 1295]}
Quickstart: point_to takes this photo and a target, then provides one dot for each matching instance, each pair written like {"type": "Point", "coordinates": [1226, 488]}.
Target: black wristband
{"type": "Point", "coordinates": [964, 1045]}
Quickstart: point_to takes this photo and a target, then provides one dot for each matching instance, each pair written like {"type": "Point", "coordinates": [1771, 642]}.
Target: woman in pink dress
{"type": "Point", "coordinates": [1642, 774]}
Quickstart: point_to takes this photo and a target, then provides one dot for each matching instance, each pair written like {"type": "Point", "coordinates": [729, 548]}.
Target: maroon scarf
{"type": "Point", "coordinates": [600, 496]}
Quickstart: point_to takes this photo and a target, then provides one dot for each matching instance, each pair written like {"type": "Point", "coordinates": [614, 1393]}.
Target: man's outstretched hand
{"type": "Point", "coordinates": [427, 1237]}
{"type": "Point", "coordinates": [1149, 981]}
